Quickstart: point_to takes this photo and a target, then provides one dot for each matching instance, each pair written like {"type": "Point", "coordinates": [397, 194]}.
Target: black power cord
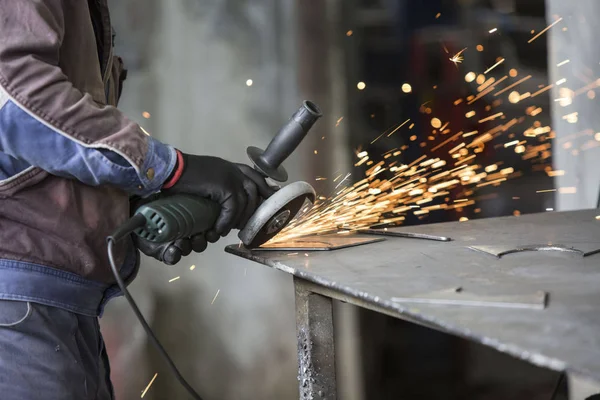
{"type": "Point", "coordinates": [126, 229]}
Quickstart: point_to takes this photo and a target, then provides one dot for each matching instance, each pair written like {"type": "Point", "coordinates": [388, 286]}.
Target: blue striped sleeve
{"type": "Point", "coordinates": [30, 139]}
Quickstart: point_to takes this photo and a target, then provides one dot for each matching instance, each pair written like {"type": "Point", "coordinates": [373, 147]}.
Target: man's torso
{"type": "Point", "coordinates": [55, 222]}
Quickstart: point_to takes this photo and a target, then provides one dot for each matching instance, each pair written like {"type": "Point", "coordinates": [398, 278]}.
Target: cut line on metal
{"type": "Point", "coordinates": [407, 235]}
{"type": "Point", "coordinates": [319, 243]}
{"type": "Point", "coordinates": [454, 297]}
{"type": "Point", "coordinates": [499, 251]}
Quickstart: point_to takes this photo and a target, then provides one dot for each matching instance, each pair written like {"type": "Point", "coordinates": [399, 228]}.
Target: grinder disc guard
{"type": "Point", "coordinates": [276, 213]}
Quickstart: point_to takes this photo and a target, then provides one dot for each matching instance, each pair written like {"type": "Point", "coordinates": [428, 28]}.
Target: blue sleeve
{"type": "Point", "coordinates": [26, 137]}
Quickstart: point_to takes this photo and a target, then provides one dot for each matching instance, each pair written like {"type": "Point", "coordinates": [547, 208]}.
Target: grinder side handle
{"type": "Point", "coordinates": [268, 162]}
{"type": "Point", "coordinates": [177, 217]}
{"type": "Point", "coordinates": [291, 134]}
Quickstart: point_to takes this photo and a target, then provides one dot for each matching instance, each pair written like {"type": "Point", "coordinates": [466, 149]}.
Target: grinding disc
{"type": "Point", "coordinates": [275, 213]}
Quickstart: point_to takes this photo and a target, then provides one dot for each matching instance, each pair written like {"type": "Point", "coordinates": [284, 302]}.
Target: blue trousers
{"type": "Point", "coordinates": [47, 353]}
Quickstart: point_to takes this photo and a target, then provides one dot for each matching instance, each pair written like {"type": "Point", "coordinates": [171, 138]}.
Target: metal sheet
{"type": "Point", "coordinates": [582, 249]}
{"type": "Point", "coordinates": [408, 235]}
{"type": "Point", "coordinates": [319, 243]}
{"type": "Point", "coordinates": [562, 336]}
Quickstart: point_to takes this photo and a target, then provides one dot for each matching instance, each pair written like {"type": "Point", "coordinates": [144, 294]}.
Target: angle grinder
{"type": "Point", "coordinates": [179, 216]}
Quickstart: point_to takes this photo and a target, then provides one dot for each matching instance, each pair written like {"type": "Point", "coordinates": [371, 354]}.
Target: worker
{"type": "Point", "coordinates": [70, 163]}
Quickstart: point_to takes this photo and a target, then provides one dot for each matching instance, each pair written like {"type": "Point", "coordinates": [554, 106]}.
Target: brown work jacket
{"type": "Point", "coordinates": [69, 160]}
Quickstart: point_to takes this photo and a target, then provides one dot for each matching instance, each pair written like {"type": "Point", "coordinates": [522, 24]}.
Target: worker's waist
{"type": "Point", "coordinates": [25, 281]}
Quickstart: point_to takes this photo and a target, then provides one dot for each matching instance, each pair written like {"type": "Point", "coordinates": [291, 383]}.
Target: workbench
{"type": "Point", "coordinates": [527, 286]}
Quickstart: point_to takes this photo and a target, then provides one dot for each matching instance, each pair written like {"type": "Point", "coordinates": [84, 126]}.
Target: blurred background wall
{"type": "Point", "coordinates": [575, 146]}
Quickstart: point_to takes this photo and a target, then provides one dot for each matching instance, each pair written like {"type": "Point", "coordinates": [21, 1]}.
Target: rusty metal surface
{"type": "Point", "coordinates": [562, 336]}
{"type": "Point", "coordinates": [316, 348]}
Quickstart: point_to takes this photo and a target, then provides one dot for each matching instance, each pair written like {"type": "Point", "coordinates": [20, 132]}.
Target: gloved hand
{"type": "Point", "coordinates": [171, 253]}
{"type": "Point", "coordinates": [168, 253]}
{"type": "Point", "coordinates": [237, 188]}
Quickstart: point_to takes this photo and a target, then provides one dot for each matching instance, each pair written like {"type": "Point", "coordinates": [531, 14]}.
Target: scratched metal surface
{"type": "Point", "coordinates": [563, 336]}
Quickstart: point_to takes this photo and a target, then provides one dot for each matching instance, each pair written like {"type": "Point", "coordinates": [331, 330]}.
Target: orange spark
{"type": "Point", "coordinates": [494, 66]}
{"type": "Point", "coordinates": [513, 85]}
{"type": "Point", "coordinates": [458, 58]}
{"type": "Point", "coordinates": [544, 30]}
{"type": "Point", "coordinates": [150, 384]}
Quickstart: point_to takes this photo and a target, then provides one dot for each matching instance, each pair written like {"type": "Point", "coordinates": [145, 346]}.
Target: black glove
{"type": "Point", "coordinates": [168, 253]}
{"type": "Point", "coordinates": [237, 188]}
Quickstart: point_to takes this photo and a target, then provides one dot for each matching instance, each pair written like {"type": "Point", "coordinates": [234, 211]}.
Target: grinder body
{"type": "Point", "coordinates": [179, 216]}
{"type": "Point", "coordinates": [176, 217]}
